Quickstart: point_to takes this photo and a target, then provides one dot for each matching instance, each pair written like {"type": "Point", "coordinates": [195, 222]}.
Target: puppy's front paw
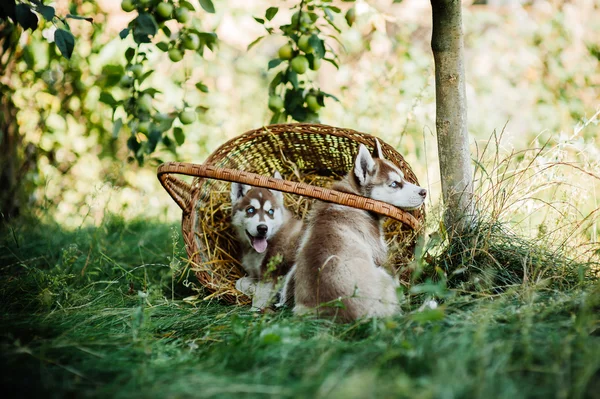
{"type": "Point", "coordinates": [246, 286]}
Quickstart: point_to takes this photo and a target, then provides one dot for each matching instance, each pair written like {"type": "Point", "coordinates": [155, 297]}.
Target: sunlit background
{"type": "Point", "coordinates": [532, 69]}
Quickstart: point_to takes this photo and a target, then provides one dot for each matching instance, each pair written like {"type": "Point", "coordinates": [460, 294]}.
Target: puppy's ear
{"type": "Point", "coordinates": [363, 165]}
{"type": "Point", "coordinates": [377, 151]}
{"type": "Point", "coordinates": [238, 190]}
{"type": "Point", "coordinates": [278, 194]}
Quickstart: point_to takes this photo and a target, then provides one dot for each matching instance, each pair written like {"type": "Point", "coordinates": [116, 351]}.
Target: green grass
{"type": "Point", "coordinates": [74, 324]}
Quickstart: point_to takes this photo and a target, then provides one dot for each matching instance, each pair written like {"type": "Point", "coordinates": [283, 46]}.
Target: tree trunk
{"type": "Point", "coordinates": [9, 157]}
{"type": "Point", "coordinates": [10, 139]}
{"type": "Point", "coordinates": [451, 113]}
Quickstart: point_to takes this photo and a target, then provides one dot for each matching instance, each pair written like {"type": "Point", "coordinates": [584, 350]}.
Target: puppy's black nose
{"type": "Point", "coordinates": [262, 229]}
{"type": "Point", "coordinates": [423, 193]}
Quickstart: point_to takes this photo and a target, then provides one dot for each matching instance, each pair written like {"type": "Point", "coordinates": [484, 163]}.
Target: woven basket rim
{"type": "Point", "coordinates": [165, 171]}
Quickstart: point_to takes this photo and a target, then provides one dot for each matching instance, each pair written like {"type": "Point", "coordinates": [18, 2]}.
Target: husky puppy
{"type": "Point", "coordinates": [269, 237]}
{"type": "Point", "coordinates": [342, 248]}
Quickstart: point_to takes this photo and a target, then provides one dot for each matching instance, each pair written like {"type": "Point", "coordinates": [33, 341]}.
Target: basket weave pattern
{"type": "Point", "coordinates": [309, 156]}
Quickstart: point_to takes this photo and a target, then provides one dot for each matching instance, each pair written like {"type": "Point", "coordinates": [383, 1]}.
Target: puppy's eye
{"type": "Point", "coordinates": [271, 212]}
{"type": "Point", "coordinates": [250, 210]}
{"type": "Point", "coordinates": [394, 184]}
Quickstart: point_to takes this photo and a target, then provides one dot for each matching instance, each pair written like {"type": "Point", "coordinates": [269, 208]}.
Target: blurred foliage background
{"type": "Point", "coordinates": [532, 70]}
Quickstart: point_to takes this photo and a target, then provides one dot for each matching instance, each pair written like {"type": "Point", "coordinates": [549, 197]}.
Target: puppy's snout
{"type": "Point", "coordinates": [262, 229]}
{"type": "Point", "coordinates": [423, 193]}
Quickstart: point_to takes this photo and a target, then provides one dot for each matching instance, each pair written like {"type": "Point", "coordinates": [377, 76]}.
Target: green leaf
{"type": "Point", "coordinates": [152, 91]}
{"type": "Point", "coordinates": [187, 5]}
{"type": "Point", "coordinates": [107, 99]}
{"type": "Point", "coordinates": [292, 77]}
{"type": "Point", "coordinates": [271, 338]}
{"type": "Point", "coordinates": [300, 114]}
{"type": "Point", "coordinates": [129, 54]}
{"type": "Point", "coordinates": [25, 17]}
{"type": "Point", "coordinates": [274, 62]}
{"type": "Point", "coordinates": [428, 316]}
{"type": "Point", "coordinates": [332, 62]}
{"type": "Point", "coordinates": [179, 135]}
{"type": "Point", "coordinates": [207, 5]}
{"type": "Point", "coordinates": [65, 42]}
{"type": "Point", "coordinates": [333, 25]}
{"type": "Point", "coordinates": [271, 12]}
{"type": "Point", "coordinates": [275, 82]}
{"type": "Point", "coordinates": [206, 39]}
{"type": "Point", "coordinates": [428, 288]}
{"type": "Point", "coordinates": [275, 118]}
{"type": "Point", "coordinates": [133, 144]}
{"type": "Point", "coordinates": [330, 96]}
{"type": "Point", "coordinates": [124, 33]}
{"type": "Point", "coordinates": [318, 45]}
{"type": "Point", "coordinates": [144, 28]}
{"type": "Point", "coordinates": [111, 75]}
{"type": "Point", "coordinates": [46, 11]}
{"type": "Point", "coordinates": [259, 20]}
{"type": "Point", "coordinates": [7, 9]}
{"type": "Point", "coordinates": [153, 138]}
{"type": "Point", "coordinates": [255, 42]}
{"type": "Point", "coordinates": [202, 87]}
{"type": "Point", "coordinates": [334, 9]}
{"type": "Point", "coordinates": [145, 76]}
{"type": "Point", "coordinates": [89, 19]}
{"type": "Point", "coordinates": [117, 128]}
{"type": "Point", "coordinates": [162, 46]}
{"type": "Point", "coordinates": [293, 100]}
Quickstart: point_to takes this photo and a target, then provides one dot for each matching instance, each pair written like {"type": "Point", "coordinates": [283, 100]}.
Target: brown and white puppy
{"type": "Point", "coordinates": [269, 237]}
{"type": "Point", "coordinates": [342, 248]}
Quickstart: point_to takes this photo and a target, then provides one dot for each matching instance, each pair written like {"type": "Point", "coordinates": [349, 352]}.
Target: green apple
{"type": "Point", "coordinates": [285, 52]}
{"type": "Point", "coordinates": [182, 15]}
{"type": "Point", "coordinates": [299, 64]}
{"type": "Point", "coordinates": [187, 117]}
{"type": "Point", "coordinates": [127, 5]}
{"type": "Point", "coordinates": [191, 42]}
{"type": "Point", "coordinates": [304, 19]}
{"type": "Point", "coordinates": [164, 10]}
{"type": "Point", "coordinates": [315, 64]}
{"type": "Point", "coordinates": [313, 103]}
{"type": "Point", "coordinates": [137, 70]}
{"type": "Point", "coordinates": [275, 103]}
{"type": "Point", "coordinates": [144, 127]}
{"type": "Point", "coordinates": [175, 55]}
{"type": "Point", "coordinates": [144, 103]}
{"type": "Point", "coordinates": [304, 45]}
{"type": "Point", "coordinates": [126, 81]}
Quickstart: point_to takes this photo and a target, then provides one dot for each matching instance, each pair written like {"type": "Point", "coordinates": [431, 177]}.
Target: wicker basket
{"type": "Point", "coordinates": [309, 156]}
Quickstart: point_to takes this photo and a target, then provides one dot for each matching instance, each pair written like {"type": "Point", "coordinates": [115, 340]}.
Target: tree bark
{"type": "Point", "coordinates": [10, 138]}
{"type": "Point", "coordinates": [9, 158]}
{"type": "Point", "coordinates": [451, 113]}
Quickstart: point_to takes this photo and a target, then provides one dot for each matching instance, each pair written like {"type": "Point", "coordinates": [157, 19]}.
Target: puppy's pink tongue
{"type": "Point", "coordinates": [259, 244]}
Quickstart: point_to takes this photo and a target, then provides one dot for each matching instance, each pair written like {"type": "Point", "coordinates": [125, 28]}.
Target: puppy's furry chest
{"type": "Point", "coordinates": [252, 261]}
